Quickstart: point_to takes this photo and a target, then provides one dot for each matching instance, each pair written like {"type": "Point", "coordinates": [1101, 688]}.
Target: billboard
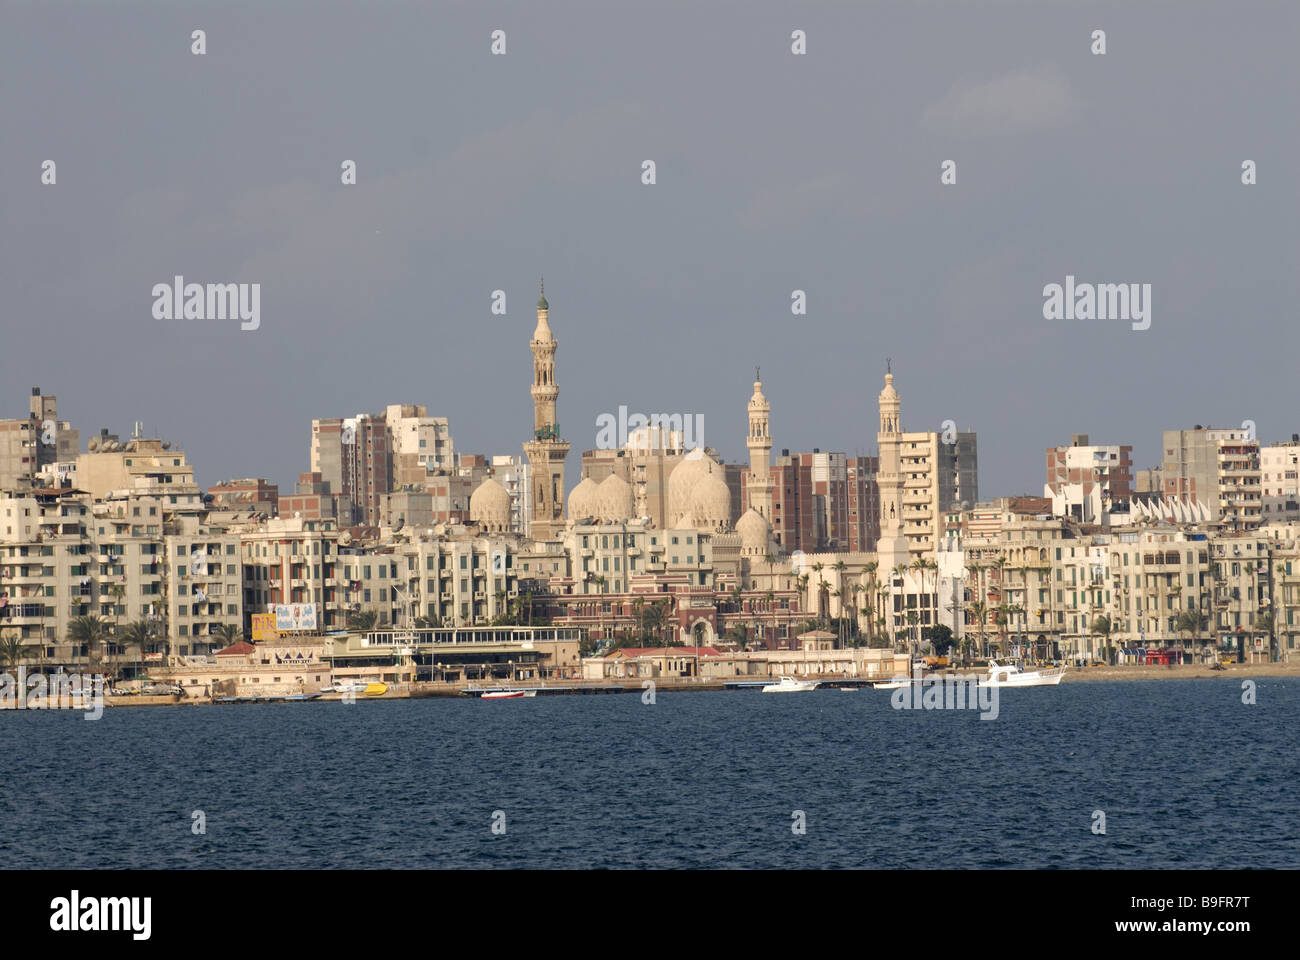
{"type": "Point", "coordinates": [264, 627]}
{"type": "Point", "coordinates": [295, 616]}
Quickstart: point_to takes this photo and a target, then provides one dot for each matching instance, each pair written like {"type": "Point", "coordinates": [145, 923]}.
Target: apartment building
{"type": "Point", "coordinates": [1085, 480]}
{"type": "Point", "coordinates": [1279, 466]}
{"type": "Point", "coordinates": [1219, 468]}
{"type": "Point", "coordinates": [420, 445]}
{"type": "Point", "coordinates": [34, 444]}
{"type": "Point", "coordinates": [63, 556]}
{"type": "Point", "coordinates": [250, 495]}
{"type": "Point", "coordinates": [352, 456]}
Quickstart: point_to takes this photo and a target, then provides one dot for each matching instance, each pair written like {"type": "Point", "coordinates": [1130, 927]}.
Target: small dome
{"type": "Point", "coordinates": [711, 502]}
{"type": "Point", "coordinates": [889, 393]}
{"type": "Point", "coordinates": [615, 502]}
{"type": "Point", "coordinates": [489, 506]}
{"type": "Point", "coordinates": [754, 533]}
{"type": "Point", "coordinates": [584, 500]}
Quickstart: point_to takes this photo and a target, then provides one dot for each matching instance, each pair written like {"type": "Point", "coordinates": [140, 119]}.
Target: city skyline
{"type": "Point", "coordinates": [818, 173]}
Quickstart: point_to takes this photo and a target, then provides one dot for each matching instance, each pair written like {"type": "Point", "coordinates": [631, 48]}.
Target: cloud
{"type": "Point", "coordinates": [1021, 102]}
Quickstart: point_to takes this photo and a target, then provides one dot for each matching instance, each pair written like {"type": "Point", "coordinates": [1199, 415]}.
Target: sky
{"type": "Point", "coordinates": [774, 172]}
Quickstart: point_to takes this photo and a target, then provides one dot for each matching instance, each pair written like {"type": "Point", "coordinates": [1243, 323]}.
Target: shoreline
{"type": "Point", "coordinates": [633, 685]}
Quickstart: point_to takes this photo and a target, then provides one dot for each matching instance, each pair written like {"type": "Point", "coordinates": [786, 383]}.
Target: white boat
{"type": "Point", "coordinates": [1010, 675]}
{"type": "Point", "coordinates": [791, 685]}
{"type": "Point", "coordinates": [508, 694]}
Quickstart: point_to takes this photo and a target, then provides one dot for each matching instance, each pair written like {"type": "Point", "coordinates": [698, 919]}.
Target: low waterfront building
{"type": "Point", "coordinates": [279, 668]}
{"type": "Point", "coordinates": [457, 654]}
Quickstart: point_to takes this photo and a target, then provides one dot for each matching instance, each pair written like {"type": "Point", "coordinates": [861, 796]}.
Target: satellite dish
{"type": "Point", "coordinates": [401, 522]}
{"type": "Point", "coordinates": [345, 538]}
{"type": "Point", "coordinates": [167, 444]}
{"type": "Point", "coordinates": [93, 445]}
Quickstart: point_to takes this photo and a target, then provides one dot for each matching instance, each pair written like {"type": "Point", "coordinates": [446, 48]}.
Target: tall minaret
{"type": "Point", "coordinates": [759, 441]}
{"type": "Point", "coordinates": [892, 548]}
{"type": "Point", "coordinates": [546, 451]}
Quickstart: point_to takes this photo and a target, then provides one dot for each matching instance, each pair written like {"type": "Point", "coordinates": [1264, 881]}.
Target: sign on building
{"type": "Point", "coordinates": [295, 616]}
{"type": "Point", "coordinates": [264, 627]}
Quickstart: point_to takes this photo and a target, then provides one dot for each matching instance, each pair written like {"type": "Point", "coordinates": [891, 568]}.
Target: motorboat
{"type": "Point", "coordinates": [791, 685]}
{"type": "Point", "coordinates": [1011, 675]}
{"type": "Point", "coordinates": [508, 694]}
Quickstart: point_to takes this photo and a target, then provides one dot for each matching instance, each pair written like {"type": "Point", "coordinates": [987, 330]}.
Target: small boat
{"type": "Point", "coordinates": [1010, 675]}
{"type": "Point", "coordinates": [508, 694]}
{"type": "Point", "coordinates": [791, 685]}
{"type": "Point", "coordinates": [849, 689]}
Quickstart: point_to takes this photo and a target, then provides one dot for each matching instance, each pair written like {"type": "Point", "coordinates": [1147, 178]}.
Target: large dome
{"type": "Point", "coordinates": [693, 468]}
{"type": "Point", "coordinates": [584, 500]}
{"type": "Point", "coordinates": [711, 502]}
{"type": "Point", "coordinates": [489, 506]}
{"type": "Point", "coordinates": [615, 502]}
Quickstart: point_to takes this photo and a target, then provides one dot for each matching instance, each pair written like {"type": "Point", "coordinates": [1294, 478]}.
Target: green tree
{"type": "Point", "coordinates": [227, 634]}
{"type": "Point", "coordinates": [362, 621]}
{"type": "Point", "coordinates": [1102, 627]}
{"type": "Point", "coordinates": [89, 631]}
{"type": "Point", "coordinates": [940, 637]}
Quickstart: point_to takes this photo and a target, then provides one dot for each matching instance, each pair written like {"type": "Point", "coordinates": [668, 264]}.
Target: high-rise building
{"type": "Point", "coordinates": [352, 456]}
{"type": "Point", "coordinates": [420, 445]}
{"type": "Point", "coordinates": [546, 451]}
{"type": "Point", "coordinates": [1218, 468]}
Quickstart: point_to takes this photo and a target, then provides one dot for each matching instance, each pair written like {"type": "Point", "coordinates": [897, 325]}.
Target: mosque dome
{"type": "Point", "coordinates": [754, 532]}
{"type": "Point", "coordinates": [614, 500]}
{"type": "Point", "coordinates": [489, 506]}
{"type": "Point", "coordinates": [584, 501]}
{"type": "Point", "coordinates": [711, 502]}
{"type": "Point", "coordinates": [693, 468]}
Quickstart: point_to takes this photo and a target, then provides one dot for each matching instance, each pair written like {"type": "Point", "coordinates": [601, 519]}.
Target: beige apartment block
{"type": "Point", "coordinates": [1280, 481]}
{"type": "Point", "coordinates": [138, 466]}
{"type": "Point", "coordinates": [1219, 468]}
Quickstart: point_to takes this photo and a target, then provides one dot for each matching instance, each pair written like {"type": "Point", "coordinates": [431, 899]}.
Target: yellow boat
{"type": "Point", "coordinates": [376, 689]}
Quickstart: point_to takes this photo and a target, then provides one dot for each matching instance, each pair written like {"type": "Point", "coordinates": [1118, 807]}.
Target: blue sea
{"type": "Point", "coordinates": [1187, 776]}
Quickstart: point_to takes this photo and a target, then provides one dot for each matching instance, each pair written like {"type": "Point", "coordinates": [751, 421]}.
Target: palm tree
{"type": "Point", "coordinates": [839, 621]}
{"type": "Point", "coordinates": [89, 631]}
{"type": "Point", "coordinates": [138, 634]}
{"type": "Point", "coordinates": [771, 608]}
{"type": "Point", "coordinates": [227, 634]}
{"type": "Point", "coordinates": [11, 655]}
{"type": "Point", "coordinates": [980, 610]}
{"type": "Point", "coordinates": [872, 589]}
{"type": "Point", "coordinates": [1190, 622]}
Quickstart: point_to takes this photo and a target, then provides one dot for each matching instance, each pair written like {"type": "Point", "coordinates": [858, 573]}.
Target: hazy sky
{"type": "Point", "coordinates": [775, 172]}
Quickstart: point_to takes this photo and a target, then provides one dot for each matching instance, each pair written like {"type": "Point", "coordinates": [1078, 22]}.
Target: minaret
{"type": "Point", "coordinates": [546, 451]}
{"type": "Point", "coordinates": [759, 441]}
{"type": "Point", "coordinates": [892, 548]}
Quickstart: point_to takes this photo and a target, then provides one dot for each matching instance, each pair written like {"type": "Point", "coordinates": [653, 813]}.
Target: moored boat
{"type": "Point", "coordinates": [1010, 675]}
{"type": "Point", "coordinates": [508, 694]}
{"type": "Point", "coordinates": [791, 685]}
